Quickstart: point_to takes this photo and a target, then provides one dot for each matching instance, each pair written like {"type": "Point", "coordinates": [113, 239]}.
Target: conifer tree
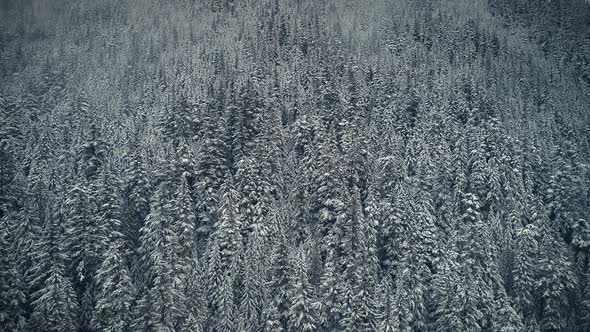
{"type": "Point", "coordinates": [196, 297]}
{"type": "Point", "coordinates": [84, 234]}
{"type": "Point", "coordinates": [359, 265]}
{"type": "Point", "coordinates": [114, 291]}
{"type": "Point", "coordinates": [586, 300]}
{"type": "Point", "coordinates": [525, 268]}
{"type": "Point", "coordinates": [55, 307]}
{"type": "Point", "coordinates": [228, 230]}
{"type": "Point", "coordinates": [252, 295]}
{"type": "Point", "coordinates": [12, 295]}
{"type": "Point", "coordinates": [176, 121]}
{"type": "Point", "coordinates": [255, 203]}
{"type": "Point", "coordinates": [329, 300]}
{"type": "Point", "coordinates": [556, 280]}
{"type": "Point", "coordinates": [164, 300]}
{"type": "Point", "coordinates": [301, 311]}
{"type": "Point", "coordinates": [276, 314]}
{"type": "Point", "coordinates": [137, 191]}
{"type": "Point", "coordinates": [29, 223]}
{"type": "Point", "coordinates": [212, 166]}
{"type": "Point", "coordinates": [388, 317]}
{"type": "Point", "coordinates": [184, 225]}
{"type": "Point", "coordinates": [224, 319]}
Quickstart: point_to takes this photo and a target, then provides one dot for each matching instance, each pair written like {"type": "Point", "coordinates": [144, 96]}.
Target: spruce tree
{"type": "Point", "coordinates": [252, 296]}
{"type": "Point", "coordinates": [114, 291]}
{"type": "Point", "coordinates": [137, 193]}
{"type": "Point", "coordinates": [163, 301]}
{"type": "Point", "coordinates": [55, 306]}
{"type": "Point", "coordinates": [12, 290]}
{"type": "Point", "coordinates": [301, 311]}
{"type": "Point", "coordinates": [556, 280]}
{"type": "Point", "coordinates": [212, 166]}
{"type": "Point", "coordinates": [276, 314]}
{"type": "Point", "coordinates": [525, 270]}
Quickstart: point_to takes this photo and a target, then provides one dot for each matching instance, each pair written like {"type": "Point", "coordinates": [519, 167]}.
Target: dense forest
{"type": "Point", "coordinates": [304, 165]}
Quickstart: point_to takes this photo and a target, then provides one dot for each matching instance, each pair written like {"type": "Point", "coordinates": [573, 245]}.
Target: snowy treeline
{"type": "Point", "coordinates": [241, 165]}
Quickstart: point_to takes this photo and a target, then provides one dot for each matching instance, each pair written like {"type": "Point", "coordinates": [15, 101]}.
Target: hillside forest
{"type": "Point", "coordinates": [296, 166]}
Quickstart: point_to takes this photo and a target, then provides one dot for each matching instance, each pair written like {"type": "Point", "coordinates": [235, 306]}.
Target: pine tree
{"type": "Point", "coordinates": [301, 312]}
{"type": "Point", "coordinates": [252, 296]}
{"type": "Point", "coordinates": [227, 231]}
{"type": "Point", "coordinates": [184, 226]}
{"type": "Point", "coordinates": [276, 315]}
{"type": "Point", "coordinates": [505, 318]}
{"type": "Point", "coordinates": [395, 229]}
{"type": "Point", "coordinates": [87, 236]}
{"type": "Point", "coordinates": [108, 213]}
{"type": "Point", "coordinates": [388, 317]}
{"type": "Point", "coordinates": [525, 268]}
{"type": "Point", "coordinates": [212, 165]}
{"type": "Point", "coordinates": [556, 281]}
{"type": "Point", "coordinates": [466, 289]}
{"type": "Point", "coordinates": [244, 121]}
{"type": "Point", "coordinates": [359, 268]}
{"type": "Point", "coordinates": [255, 202]}
{"type": "Point", "coordinates": [92, 153]}
{"type": "Point", "coordinates": [164, 300]}
{"type": "Point", "coordinates": [137, 191]}
{"type": "Point", "coordinates": [196, 297]}
{"type": "Point", "coordinates": [84, 236]}
{"type": "Point", "coordinates": [327, 184]}
{"type": "Point", "coordinates": [11, 141]}
{"type": "Point", "coordinates": [456, 308]}
{"type": "Point", "coordinates": [478, 169]}
{"type": "Point", "coordinates": [411, 294]}
{"type": "Point", "coordinates": [29, 223]}
{"type": "Point", "coordinates": [12, 295]}
{"type": "Point", "coordinates": [55, 307]}
{"type": "Point", "coordinates": [176, 121]}
{"type": "Point", "coordinates": [225, 316]}
{"type": "Point", "coordinates": [329, 301]}
{"type": "Point", "coordinates": [586, 300]}
{"type": "Point", "coordinates": [114, 291]}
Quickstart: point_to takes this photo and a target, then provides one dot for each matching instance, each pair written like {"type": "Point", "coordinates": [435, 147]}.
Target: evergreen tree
{"type": "Point", "coordinates": [276, 315]}
{"type": "Point", "coordinates": [227, 232]}
{"type": "Point", "coordinates": [307, 165]}
{"type": "Point", "coordinates": [301, 312]}
{"type": "Point", "coordinates": [212, 165]}
{"type": "Point", "coordinates": [359, 265]}
{"type": "Point", "coordinates": [525, 268]}
{"type": "Point", "coordinates": [55, 307]}
{"type": "Point", "coordinates": [137, 193]}
{"type": "Point", "coordinates": [177, 122]}
{"type": "Point", "coordinates": [456, 308]}
{"type": "Point", "coordinates": [196, 295]}
{"type": "Point", "coordinates": [114, 291]}
{"type": "Point", "coordinates": [184, 226]}
{"type": "Point", "coordinates": [225, 316]}
{"type": "Point", "coordinates": [388, 317]}
{"type": "Point", "coordinates": [255, 202]}
{"type": "Point", "coordinates": [252, 296]}
{"type": "Point", "coordinates": [12, 295]}
{"type": "Point", "coordinates": [556, 280]}
{"type": "Point", "coordinates": [84, 235]}
{"type": "Point", "coordinates": [586, 300]}
{"type": "Point", "coordinates": [329, 302]}
{"type": "Point", "coordinates": [29, 224]}
{"type": "Point", "coordinates": [164, 301]}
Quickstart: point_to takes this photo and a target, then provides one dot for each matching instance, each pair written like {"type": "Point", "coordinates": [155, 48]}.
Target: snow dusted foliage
{"type": "Point", "coordinates": [276, 165]}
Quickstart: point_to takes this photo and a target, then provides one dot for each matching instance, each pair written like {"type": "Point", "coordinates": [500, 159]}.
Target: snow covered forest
{"type": "Point", "coordinates": [295, 165]}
